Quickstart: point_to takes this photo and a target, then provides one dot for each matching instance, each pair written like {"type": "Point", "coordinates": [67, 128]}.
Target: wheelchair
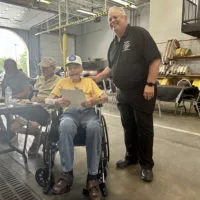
{"type": "Point", "coordinates": [45, 177]}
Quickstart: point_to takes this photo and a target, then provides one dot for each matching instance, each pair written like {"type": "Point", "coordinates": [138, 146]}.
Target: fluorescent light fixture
{"type": "Point", "coordinates": [44, 1]}
{"type": "Point", "coordinates": [86, 12]}
{"type": "Point", "coordinates": [133, 6]}
{"type": "Point", "coordinates": [124, 3]}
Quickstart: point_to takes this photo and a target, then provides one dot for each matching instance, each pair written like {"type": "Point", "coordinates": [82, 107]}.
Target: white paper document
{"type": "Point", "coordinates": [75, 96]}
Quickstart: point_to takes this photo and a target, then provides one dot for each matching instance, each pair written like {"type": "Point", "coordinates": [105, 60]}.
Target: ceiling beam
{"type": "Point", "coordinates": [28, 6]}
{"type": "Point", "coordinates": [86, 19]}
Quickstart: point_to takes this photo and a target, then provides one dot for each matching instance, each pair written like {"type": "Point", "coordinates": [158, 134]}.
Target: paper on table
{"type": "Point", "coordinates": [75, 96]}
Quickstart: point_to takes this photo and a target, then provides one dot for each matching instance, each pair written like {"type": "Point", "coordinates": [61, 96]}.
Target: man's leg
{"type": "Point", "coordinates": [33, 129]}
{"type": "Point", "coordinates": [68, 130]}
{"type": "Point", "coordinates": [146, 134]}
{"type": "Point", "coordinates": [130, 135]}
{"type": "Point", "coordinates": [2, 126]}
{"type": "Point", "coordinates": [93, 148]}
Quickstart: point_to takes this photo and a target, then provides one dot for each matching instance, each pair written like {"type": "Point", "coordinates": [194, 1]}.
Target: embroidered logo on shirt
{"type": "Point", "coordinates": [126, 46]}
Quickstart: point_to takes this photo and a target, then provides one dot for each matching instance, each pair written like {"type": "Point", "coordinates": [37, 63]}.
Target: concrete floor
{"type": "Point", "coordinates": [176, 156]}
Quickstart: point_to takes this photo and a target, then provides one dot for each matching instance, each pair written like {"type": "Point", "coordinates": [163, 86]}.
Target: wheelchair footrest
{"type": "Point", "coordinates": [103, 189]}
{"type": "Point", "coordinates": [43, 179]}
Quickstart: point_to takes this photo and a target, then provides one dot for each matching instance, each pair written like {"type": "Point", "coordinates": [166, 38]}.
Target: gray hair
{"type": "Point", "coordinates": [120, 9]}
{"type": "Point", "coordinates": [48, 61]}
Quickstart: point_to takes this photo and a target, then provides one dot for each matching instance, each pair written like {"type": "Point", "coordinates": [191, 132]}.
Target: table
{"type": "Point", "coordinates": [32, 112]}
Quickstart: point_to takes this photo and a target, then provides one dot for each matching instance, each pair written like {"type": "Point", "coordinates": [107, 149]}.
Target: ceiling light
{"type": "Point", "coordinates": [133, 6]}
{"type": "Point", "coordinates": [44, 1]}
{"type": "Point", "coordinates": [125, 3]}
{"type": "Point", "coordinates": [86, 12]}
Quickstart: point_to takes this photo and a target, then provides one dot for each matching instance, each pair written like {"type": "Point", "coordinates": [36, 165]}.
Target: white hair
{"type": "Point", "coordinates": [48, 61]}
{"type": "Point", "coordinates": [120, 9]}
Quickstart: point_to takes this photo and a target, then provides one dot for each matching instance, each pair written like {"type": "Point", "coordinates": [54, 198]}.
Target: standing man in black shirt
{"type": "Point", "coordinates": [134, 60]}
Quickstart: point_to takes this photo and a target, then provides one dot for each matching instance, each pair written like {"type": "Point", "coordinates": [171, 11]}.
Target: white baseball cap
{"type": "Point", "coordinates": [73, 59]}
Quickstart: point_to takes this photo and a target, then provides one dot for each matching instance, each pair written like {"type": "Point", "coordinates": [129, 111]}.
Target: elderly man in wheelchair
{"type": "Point", "coordinates": [71, 119]}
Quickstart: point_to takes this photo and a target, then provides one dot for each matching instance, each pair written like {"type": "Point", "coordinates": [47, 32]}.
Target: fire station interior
{"type": "Point", "coordinates": [60, 28]}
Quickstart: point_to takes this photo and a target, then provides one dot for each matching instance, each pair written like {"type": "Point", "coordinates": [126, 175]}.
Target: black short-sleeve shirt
{"type": "Point", "coordinates": [130, 58]}
{"type": "Point", "coordinates": [17, 82]}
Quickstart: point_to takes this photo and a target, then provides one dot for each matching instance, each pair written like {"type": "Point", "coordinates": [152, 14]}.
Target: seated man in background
{"type": "Point", "coordinates": [72, 118]}
{"type": "Point", "coordinates": [17, 81]}
{"type": "Point", "coordinates": [44, 85]}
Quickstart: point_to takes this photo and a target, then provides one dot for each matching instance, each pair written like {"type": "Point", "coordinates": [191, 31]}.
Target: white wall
{"type": "Point", "coordinates": [94, 40]}
{"type": "Point", "coordinates": [50, 47]}
{"type": "Point", "coordinates": [165, 20]}
{"type": "Point", "coordinates": [142, 15]}
{"type": "Point", "coordinates": [165, 24]}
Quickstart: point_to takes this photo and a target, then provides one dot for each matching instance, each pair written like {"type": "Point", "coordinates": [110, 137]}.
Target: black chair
{"type": "Point", "coordinates": [192, 96]}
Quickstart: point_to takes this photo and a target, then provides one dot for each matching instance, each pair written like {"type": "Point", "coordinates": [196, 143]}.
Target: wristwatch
{"type": "Point", "coordinates": [150, 84]}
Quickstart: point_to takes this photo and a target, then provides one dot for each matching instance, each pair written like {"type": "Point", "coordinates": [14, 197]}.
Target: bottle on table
{"type": "Point", "coordinates": [8, 96]}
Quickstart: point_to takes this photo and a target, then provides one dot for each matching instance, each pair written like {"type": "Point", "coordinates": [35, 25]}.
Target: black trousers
{"type": "Point", "coordinates": [137, 121]}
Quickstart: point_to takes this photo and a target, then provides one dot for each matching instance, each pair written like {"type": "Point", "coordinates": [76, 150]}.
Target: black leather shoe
{"type": "Point", "coordinates": [94, 190]}
{"type": "Point", "coordinates": [64, 184]}
{"type": "Point", "coordinates": [121, 164]}
{"type": "Point", "coordinates": [147, 175]}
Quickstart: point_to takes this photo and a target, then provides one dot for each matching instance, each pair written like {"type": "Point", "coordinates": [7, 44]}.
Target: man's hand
{"type": "Point", "coordinates": [36, 99]}
{"type": "Point", "coordinates": [148, 92]}
{"type": "Point", "coordinates": [35, 124]}
{"type": "Point", "coordinates": [94, 78]}
{"type": "Point", "coordinates": [102, 75]}
{"type": "Point", "coordinates": [62, 102]}
{"type": "Point", "coordinates": [88, 104]}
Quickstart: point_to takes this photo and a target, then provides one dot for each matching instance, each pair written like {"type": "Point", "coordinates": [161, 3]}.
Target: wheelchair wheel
{"type": "Point", "coordinates": [49, 151]}
{"type": "Point", "coordinates": [105, 142]}
{"type": "Point", "coordinates": [46, 153]}
{"type": "Point", "coordinates": [41, 177]}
